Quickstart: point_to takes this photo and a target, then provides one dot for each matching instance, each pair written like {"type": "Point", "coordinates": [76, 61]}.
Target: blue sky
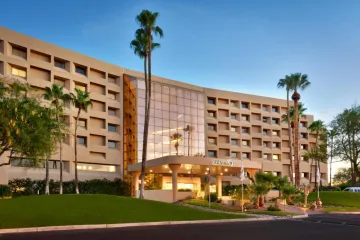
{"type": "Point", "coordinates": [236, 45]}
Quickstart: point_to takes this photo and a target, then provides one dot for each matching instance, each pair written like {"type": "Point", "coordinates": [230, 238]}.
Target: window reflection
{"type": "Point", "coordinates": [171, 110]}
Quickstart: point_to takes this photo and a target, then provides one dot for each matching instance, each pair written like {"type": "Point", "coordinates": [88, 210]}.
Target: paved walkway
{"type": "Point", "coordinates": [295, 209]}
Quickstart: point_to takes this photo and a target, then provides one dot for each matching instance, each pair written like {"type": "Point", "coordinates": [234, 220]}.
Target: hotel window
{"type": "Point", "coordinates": [19, 51]}
{"type": "Point", "coordinates": [245, 118]}
{"type": "Point", "coordinates": [264, 108]}
{"type": "Point", "coordinates": [96, 167]}
{"type": "Point", "coordinates": [234, 142]}
{"type": "Point", "coordinates": [276, 145]}
{"type": "Point", "coordinates": [265, 132]}
{"type": "Point", "coordinates": [233, 129]}
{"type": "Point", "coordinates": [111, 144]}
{"type": "Point", "coordinates": [211, 140]}
{"type": "Point", "coordinates": [212, 114]}
{"type": "Point", "coordinates": [245, 130]}
{"type": "Point", "coordinates": [245, 142]}
{"type": "Point", "coordinates": [80, 87]}
{"type": "Point", "coordinates": [303, 124]}
{"type": "Point", "coordinates": [265, 156]}
{"type": "Point", "coordinates": [275, 133]}
{"type": "Point", "coordinates": [275, 121]}
{"type": "Point", "coordinates": [233, 103]}
{"type": "Point", "coordinates": [81, 140]}
{"type": "Point", "coordinates": [112, 95]}
{"type": "Point", "coordinates": [302, 158]}
{"type": "Point", "coordinates": [245, 155]}
{"type": "Point", "coordinates": [82, 123]}
{"type": "Point", "coordinates": [233, 155]}
{"type": "Point", "coordinates": [211, 101]}
{"type": "Point", "coordinates": [275, 109]}
{"type": "Point", "coordinates": [265, 144]}
{"type": "Point", "coordinates": [265, 119]}
{"type": "Point", "coordinates": [60, 82]}
{"type": "Point", "coordinates": [303, 135]}
{"type": "Point", "coordinates": [276, 157]}
{"type": "Point", "coordinates": [111, 128]}
{"type": "Point", "coordinates": [112, 112]}
{"type": "Point", "coordinates": [18, 72]}
{"type": "Point", "coordinates": [303, 147]}
{"type": "Point", "coordinates": [211, 127]}
{"type": "Point", "coordinates": [112, 79]}
{"type": "Point", "coordinates": [212, 153]}
{"type": "Point", "coordinates": [59, 63]}
{"type": "Point", "coordinates": [233, 116]}
{"type": "Point", "coordinates": [245, 105]}
{"type": "Point", "coordinates": [81, 70]}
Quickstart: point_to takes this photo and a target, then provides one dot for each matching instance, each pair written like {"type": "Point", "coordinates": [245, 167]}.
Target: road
{"type": "Point", "coordinates": [344, 219]}
{"type": "Point", "coordinates": [308, 229]}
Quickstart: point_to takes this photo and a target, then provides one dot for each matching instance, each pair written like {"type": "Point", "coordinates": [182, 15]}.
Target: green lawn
{"type": "Point", "coordinates": [56, 210]}
{"type": "Point", "coordinates": [340, 209]}
{"type": "Point", "coordinates": [339, 199]}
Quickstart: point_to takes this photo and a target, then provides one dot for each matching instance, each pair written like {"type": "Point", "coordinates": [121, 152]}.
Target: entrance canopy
{"type": "Point", "coordinates": [195, 165]}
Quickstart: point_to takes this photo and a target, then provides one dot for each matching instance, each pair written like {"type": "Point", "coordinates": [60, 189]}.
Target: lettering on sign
{"type": "Point", "coordinates": [228, 163]}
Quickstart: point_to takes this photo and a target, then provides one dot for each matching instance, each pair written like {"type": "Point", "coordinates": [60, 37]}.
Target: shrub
{"type": "Point", "coordinates": [213, 197]}
{"type": "Point", "coordinates": [273, 208]}
{"type": "Point", "coordinates": [5, 191]}
{"type": "Point", "coordinates": [219, 200]}
{"type": "Point", "coordinates": [25, 187]}
{"type": "Point", "coordinates": [328, 188]}
{"type": "Point", "coordinates": [184, 190]}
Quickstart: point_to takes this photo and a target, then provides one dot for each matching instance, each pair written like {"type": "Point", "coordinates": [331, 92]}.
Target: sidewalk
{"type": "Point", "coordinates": [296, 209]}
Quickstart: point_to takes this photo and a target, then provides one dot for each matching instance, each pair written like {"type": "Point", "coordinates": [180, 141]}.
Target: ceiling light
{"type": "Point", "coordinates": [166, 166]}
{"type": "Point", "coordinates": [221, 173]}
{"type": "Point", "coordinates": [207, 169]}
{"type": "Point", "coordinates": [170, 171]}
{"type": "Point", "coordinates": [150, 170]}
{"type": "Point", "coordinates": [226, 169]}
{"type": "Point", "coordinates": [188, 172]}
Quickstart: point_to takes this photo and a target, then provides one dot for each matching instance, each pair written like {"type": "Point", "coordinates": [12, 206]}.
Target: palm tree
{"type": "Point", "coordinates": [189, 129]}
{"type": "Point", "coordinates": [319, 154]}
{"type": "Point", "coordinates": [279, 183]}
{"type": "Point", "coordinates": [287, 192]}
{"type": "Point", "coordinates": [288, 85]}
{"type": "Point", "coordinates": [56, 96]}
{"type": "Point", "coordinates": [176, 137]}
{"type": "Point", "coordinates": [301, 112]}
{"type": "Point", "coordinates": [317, 127]}
{"type": "Point", "coordinates": [258, 190]}
{"type": "Point", "coordinates": [81, 101]}
{"type": "Point", "coordinates": [147, 21]}
{"type": "Point", "coordinates": [331, 134]}
{"type": "Point", "coordinates": [300, 82]}
{"type": "Point", "coordinates": [264, 179]}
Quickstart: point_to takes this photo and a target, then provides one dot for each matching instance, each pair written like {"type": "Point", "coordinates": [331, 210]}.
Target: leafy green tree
{"type": "Point", "coordinates": [263, 180]}
{"type": "Point", "coordinates": [26, 127]}
{"type": "Point", "coordinates": [56, 96]}
{"type": "Point", "coordinates": [280, 182]}
{"type": "Point", "coordinates": [347, 139]}
{"type": "Point", "coordinates": [82, 102]}
{"type": "Point", "coordinates": [300, 82]}
{"type": "Point", "coordinates": [147, 21]}
{"type": "Point", "coordinates": [318, 153]}
{"type": "Point", "coordinates": [343, 175]}
{"type": "Point", "coordinates": [288, 191]}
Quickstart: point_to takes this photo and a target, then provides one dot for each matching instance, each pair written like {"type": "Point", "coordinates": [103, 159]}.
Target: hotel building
{"type": "Point", "coordinates": [218, 128]}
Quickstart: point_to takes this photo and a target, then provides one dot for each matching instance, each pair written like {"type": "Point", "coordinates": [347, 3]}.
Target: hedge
{"type": "Point", "coordinates": [27, 186]}
{"type": "Point", "coordinates": [5, 191]}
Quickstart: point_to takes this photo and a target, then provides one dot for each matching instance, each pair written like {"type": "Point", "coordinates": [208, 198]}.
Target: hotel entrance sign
{"type": "Point", "coordinates": [228, 163]}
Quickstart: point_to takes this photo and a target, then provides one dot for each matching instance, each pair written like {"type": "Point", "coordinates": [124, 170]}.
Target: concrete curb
{"type": "Point", "coordinates": [344, 212]}
{"type": "Point", "coordinates": [300, 216]}
{"type": "Point", "coordinates": [124, 225]}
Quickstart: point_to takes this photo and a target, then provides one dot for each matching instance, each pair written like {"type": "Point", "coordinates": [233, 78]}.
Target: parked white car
{"type": "Point", "coordinates": [352, 189]}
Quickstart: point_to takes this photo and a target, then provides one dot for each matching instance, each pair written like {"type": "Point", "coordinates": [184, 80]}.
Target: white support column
{"type": "Point", "coordinates": [175, 169]}
{"type": "Point", "coordinates": [219, 185]}
{"type": "Point", "coordinates": [136, 181]}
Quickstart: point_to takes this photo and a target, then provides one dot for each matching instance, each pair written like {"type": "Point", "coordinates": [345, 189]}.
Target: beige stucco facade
{"type": "Point", "coordinates": [229, 126]}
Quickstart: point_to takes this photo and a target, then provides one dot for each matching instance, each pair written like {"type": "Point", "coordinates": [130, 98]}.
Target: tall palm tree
{"type": "Point", "coordinates": [301, 111]}
{"type": "Point", "coordinates": [147, 21]}
{"type": "Point", "coordinates": [331, 134]}
{"type": "Point", "coordinates": [82, 102]}
{"type": "Point", "coordinates": [318, 153]}
{"type": "Point", "coordinates": [300, 82]}
{"type": "Point", "coordinates": [189, 129]}
{"type": "Point", "coordinates": [56, 95]}
{"type": "Point", "coordinates": [176, 137]}
{"type": "Point", "coordinates": [317, 127]}
{"type": "Point", "coordinates": [288, 85]}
